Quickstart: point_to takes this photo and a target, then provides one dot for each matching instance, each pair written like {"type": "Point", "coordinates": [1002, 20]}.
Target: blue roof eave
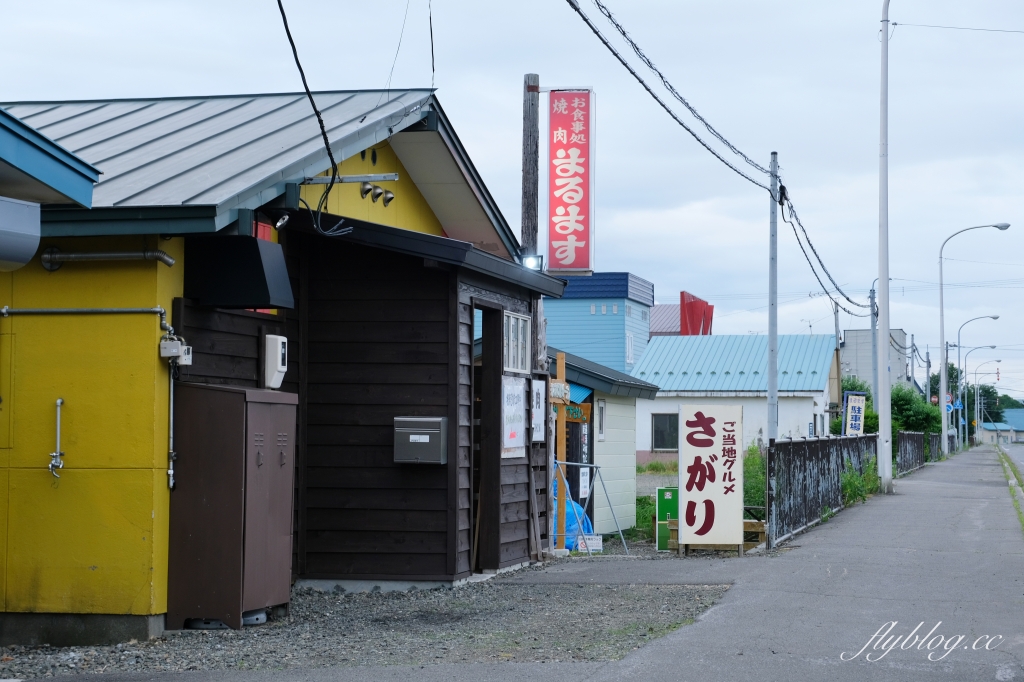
{"type": "Point", "coordinates": [44, 160]}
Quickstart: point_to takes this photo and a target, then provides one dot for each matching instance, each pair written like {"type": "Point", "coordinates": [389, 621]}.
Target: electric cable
{"type": "Point", "coordinates": [430, 18]}
{"type": "Point", "coordinates": [597, 32]}
{"type": "Point", "coordinates": [401, 34]}
{"type": "Point", "coordinates": [793, 214]}
{"type": "Point", "coordinates": [668, 86]}
{"type": "Point", "coordinates": [960, 28]}
{"type": "Point", "coordinates": [337, 230]}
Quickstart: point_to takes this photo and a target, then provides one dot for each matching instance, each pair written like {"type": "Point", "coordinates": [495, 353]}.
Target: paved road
{"type": "Point", "coordinates": [946, 548]}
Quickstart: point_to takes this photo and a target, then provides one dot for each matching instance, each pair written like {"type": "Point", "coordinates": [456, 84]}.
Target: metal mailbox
{"type": "Point", "coordinates": [421, 440]}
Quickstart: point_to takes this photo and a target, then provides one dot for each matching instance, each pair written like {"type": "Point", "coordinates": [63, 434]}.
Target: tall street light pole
{"type": "Point", "coordinates": [966, 355]}
{"type": "Point", "coordinates": [883, 399]}
{"type": "Point", "coordinates": [773, 308]}
{"type": "Point", "coordinates": [943, 370]}
{"type": "Point", "coordinates": [977, 397]}
{"type": "Point", "coordinates": [960, 390]}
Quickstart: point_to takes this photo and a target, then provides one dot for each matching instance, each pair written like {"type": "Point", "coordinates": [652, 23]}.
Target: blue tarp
{"type": "Point", "coordinates": [571, 529]}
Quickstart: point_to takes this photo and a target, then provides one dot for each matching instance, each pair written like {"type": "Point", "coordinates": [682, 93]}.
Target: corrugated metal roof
{"type": "Point", "coordinates": [214, 151]}
{"type": "Point", "coordinates": [1014, 418]}
{"type": "Point", "coordinates": [610, 285]}
{"type": "Point", "coordinates": [665, 318]}
{"type": "Point", "coordinates": [999, 426]}
{"type": "Point", "coordinates": [577, 393]}
{"type": "Point", "coordinates": [735, 363]}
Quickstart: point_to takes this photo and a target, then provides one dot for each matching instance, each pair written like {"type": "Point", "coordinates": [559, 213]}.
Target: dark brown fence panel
{"type": "Point", "coordinates": [934, 447]}
{"type": "Point", "coordinates": [909, 452]}
{"type": "Point", "coordinates": [804, 479]}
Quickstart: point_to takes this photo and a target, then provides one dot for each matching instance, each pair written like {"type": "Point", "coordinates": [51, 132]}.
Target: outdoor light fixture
{"type": "Point", "coordinates": [533, 262]}
{"type": "Point", "coordinates": [1001, 226]}
{"type": "Point", "coordinates": [377, 193]}
{"type": "Point", "coordinates": [365, 189]}
{"type": "Point", "coordinates": [389, 196]}
{"type": "Point", "coordinates": [281, 222]}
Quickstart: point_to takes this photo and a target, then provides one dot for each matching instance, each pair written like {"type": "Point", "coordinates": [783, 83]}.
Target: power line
{"type": "Point", "coordinates": [597, 32]}
{"type": "Point", "coordinates": [636, 48]}
{"type": "Point", "coordinates": [430, 18]}
{"type": "Point", "coordinates": [668, 86]}
{"type": "Point", "coordinates": [337, 230]}
{"type": "Point", "coordinates": [961, 28]}
{"type": "Point", "coordinates": [401, 34]}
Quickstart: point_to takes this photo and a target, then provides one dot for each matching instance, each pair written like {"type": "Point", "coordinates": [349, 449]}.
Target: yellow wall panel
{"type": "Point", "coordinates": [408, 211]}
{"type": "Point", "coordinates": [4, 476]}
{"type": "Point", "coordinates": [83, 543]}
{"type": "Point", "coordinates": [6, 397]}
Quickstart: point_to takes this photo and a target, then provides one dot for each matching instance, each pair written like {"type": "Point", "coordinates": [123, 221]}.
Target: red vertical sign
{"type": "Point", "coordinates": [570, 243]}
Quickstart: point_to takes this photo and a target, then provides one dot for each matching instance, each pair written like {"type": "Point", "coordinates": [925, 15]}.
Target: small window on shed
{"type": "Point", "coordinates": [665, 432]}
{"type": "Point", "coordinates": [593, 309]}
{"type": "Point", "coordinates": [643, 314]}
{"type": "Point", "coordinates": [629, 310]}
{"type": "Point", "coordinates": [615, 309]}
{"type": "Point", "coordinates": [629, 348]}
{"type": "Point", "coordinates": [602, 408]}
{"type": "Point", "coordinates": [516, 344]}
{"type": "Point", "coordinates": [604, 309]}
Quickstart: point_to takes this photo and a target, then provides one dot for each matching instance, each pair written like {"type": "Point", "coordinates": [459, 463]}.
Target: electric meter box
{"type": "Point", "coordinates": [170, 349]}
{"type": "Point", "coordinates": [421, 440]}
{"type": "Point", "coordinates": [275, 358]}
{"type": "Point", "coordinates": [185, 359]}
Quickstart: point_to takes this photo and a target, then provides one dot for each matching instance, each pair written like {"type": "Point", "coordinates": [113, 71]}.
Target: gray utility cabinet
{"type": "Point", "coordinates": [231, 509]}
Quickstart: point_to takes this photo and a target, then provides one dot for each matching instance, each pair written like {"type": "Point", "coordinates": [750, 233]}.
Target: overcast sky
{"type": "Point", "coordinates": [797, 77]}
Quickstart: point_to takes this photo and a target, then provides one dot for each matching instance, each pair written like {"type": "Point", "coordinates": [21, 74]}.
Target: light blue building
{"type": "Point", "coordinates": [604, 318]}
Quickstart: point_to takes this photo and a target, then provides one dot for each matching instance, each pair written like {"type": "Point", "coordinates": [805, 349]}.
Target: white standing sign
{"type": "Point", "coordinates": [855, 415]}
{"type": "Point", "coordinates": [711, 475]}
{"type": "Point", "coordinates": [538, 414]}
{"type": "Point", "coordinates": [513, 417]}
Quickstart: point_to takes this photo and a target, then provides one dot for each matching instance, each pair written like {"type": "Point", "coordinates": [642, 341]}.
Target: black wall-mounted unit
{"type": "Point", "coordinates": [236, 272]}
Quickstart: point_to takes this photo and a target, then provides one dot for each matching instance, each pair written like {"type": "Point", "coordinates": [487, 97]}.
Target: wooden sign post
{"type": "Point", "coordinates": [560, 398]}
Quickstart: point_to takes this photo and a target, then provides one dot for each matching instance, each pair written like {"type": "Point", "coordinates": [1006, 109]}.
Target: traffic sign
{"type": "Point", "coordinates": [949, 408]}
{"type": "Point", "coordinates": [949, 397]}
{"type": "Point", "coordinates": [958, 406]}
{"type": "Point", "coordinates": [963, 422]}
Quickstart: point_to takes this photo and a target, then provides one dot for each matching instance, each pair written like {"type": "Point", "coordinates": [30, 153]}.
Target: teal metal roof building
{"type": "Point", "coordinates": [734, 363]}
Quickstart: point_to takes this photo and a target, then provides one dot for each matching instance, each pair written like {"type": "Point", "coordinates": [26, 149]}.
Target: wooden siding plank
{"type": "Point", "coordinates": [373, 542]}
{"type": "Point", "coordinates": [380, 520]}
{"type": "Point", "coordinates": [410, 500]}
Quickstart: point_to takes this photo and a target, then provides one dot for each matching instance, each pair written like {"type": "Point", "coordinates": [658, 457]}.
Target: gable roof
{"type": "Point", "coordinates": [34, 168]}
{"type": "Point", "coordinates": [665, 319]}
{"type": "Point", "coordinates": [190, 163]}
{"type": "Point", "coordinates": [998, 426]}
{"type": "Point", "coordinates": [736, 363]}
{"type": "Point", "coordinates": [610, 285]}
{"type": "Point", "coordinates": [1015, 418]}
{"type": "Point", "coordinates": [600, 378]}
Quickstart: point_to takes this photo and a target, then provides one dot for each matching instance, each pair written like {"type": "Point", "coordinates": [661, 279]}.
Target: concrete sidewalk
{"type": "Point", "coordinates": [946, 549]}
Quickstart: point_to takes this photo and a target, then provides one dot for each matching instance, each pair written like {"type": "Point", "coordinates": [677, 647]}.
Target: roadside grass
{"type": "Point", "coordinates": [658, 467]}
{"type": "Point", "coordinates": [643, 529]}
{"type": "Point", "coordinates": [857, 487]}
{"type": "Point", "coordinates": [1009, 467]}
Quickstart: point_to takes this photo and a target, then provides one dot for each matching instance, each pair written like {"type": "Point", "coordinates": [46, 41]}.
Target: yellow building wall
{"type": "Point", "coordinates": [95, 540]}
{"type": "Point", "coordinates": [408, 211]}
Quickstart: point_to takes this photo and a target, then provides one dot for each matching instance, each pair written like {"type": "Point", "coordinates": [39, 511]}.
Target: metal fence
{"type": "Point", "coordinates": [935, 446]}
{"type": "Point", "coordinates": [804, 479]}
{"type": "Point", "coordinates": [909, 451]}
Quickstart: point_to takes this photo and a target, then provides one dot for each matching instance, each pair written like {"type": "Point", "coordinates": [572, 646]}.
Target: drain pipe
{"type": "Point", "coordinates": [156, 310]}
{"type": "Point", "coordinates": [53, 258]}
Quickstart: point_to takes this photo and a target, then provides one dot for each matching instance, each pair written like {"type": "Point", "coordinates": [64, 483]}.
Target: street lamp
{"type": "Point", "coordinates": [959, 379]}
{"type": "Point", "coordinates": [977, 394]}
{"type": "Point", "coordinates": [943, 387]}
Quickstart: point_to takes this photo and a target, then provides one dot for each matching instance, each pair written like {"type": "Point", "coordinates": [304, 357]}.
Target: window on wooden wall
{"type": "Point", "coordinates": [665, 432]}
{"type": "Point", "coordinates": [602, 410]}
{"type": "Point", "coordinates": [629, 310]}
{"type": "Point", "coordinates": [593, 308]}
{"type": "Point", "coordinates": [516, 332]}
{"type": "Point", "coordinates": [629, 348]}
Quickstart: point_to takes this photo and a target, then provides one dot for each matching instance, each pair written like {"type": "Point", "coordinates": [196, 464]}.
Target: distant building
{"type": "Point", "coordinates": [732, 370]}
{"type": "Point", "coordinates": [1015, 418]}
{"type": "Point", "coordinates": [997, 433]}
{"type": "Point", "coordinates": [855, 355]}
{"type": "Point", "coordinates": [604, 318]}
{"type": "Point", "coordinates": [692, 316]}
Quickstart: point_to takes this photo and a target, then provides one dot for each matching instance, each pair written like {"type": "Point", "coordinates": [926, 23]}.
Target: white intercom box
{"type": "Point", "coordinates": [276, 360]}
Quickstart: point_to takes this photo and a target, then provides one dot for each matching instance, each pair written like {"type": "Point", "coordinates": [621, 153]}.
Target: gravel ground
{"type": "Point", "coordinates": [483, 622]}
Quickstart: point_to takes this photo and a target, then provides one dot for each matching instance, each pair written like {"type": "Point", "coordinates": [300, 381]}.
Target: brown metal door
{"type": "Point", "coordinates": [268, 504]}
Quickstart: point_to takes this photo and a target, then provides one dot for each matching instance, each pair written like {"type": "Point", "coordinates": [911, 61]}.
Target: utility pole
{"type": "Point", "coordinates": [773, 310]}
{"type": "Point", "coordinates": [874, 347]}
{"type": "Point", "coordinates": [928, 372]}
{"type": "Point", "coordinates": [883, 401]}
{"type": "Point", "coordinates": [531, 161]}
{"type": "Point", "coordinates": [913, 373]}
{"type": "Point", "coordinates": [839, 369]}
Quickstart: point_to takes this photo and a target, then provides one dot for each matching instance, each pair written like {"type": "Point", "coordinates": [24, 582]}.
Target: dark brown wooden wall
{"type": "Point", "coordinates": [377, 347]}
{"type": "Point", "coordinates": [513, 514]}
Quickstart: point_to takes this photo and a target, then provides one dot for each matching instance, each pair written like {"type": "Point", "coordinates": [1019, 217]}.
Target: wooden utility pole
{"type": "Point", "coordinates": [531, 161]}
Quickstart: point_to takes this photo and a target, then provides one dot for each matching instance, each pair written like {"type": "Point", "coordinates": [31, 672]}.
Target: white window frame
{"type": "Point", "coordinates": [604, 308]}
{"type": "Point", "coordinates": [615, 308]}
{"type": "Point", "coordinates": [629, 310]}
{"type": "Point", "coordinates": [593, 308]}
{"type": "Point", "coordinates": [516, 344]}
{"type": "Point", "coordinates": [629, 348]}
{"type": "Point", "coordinates": [602, 415]}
